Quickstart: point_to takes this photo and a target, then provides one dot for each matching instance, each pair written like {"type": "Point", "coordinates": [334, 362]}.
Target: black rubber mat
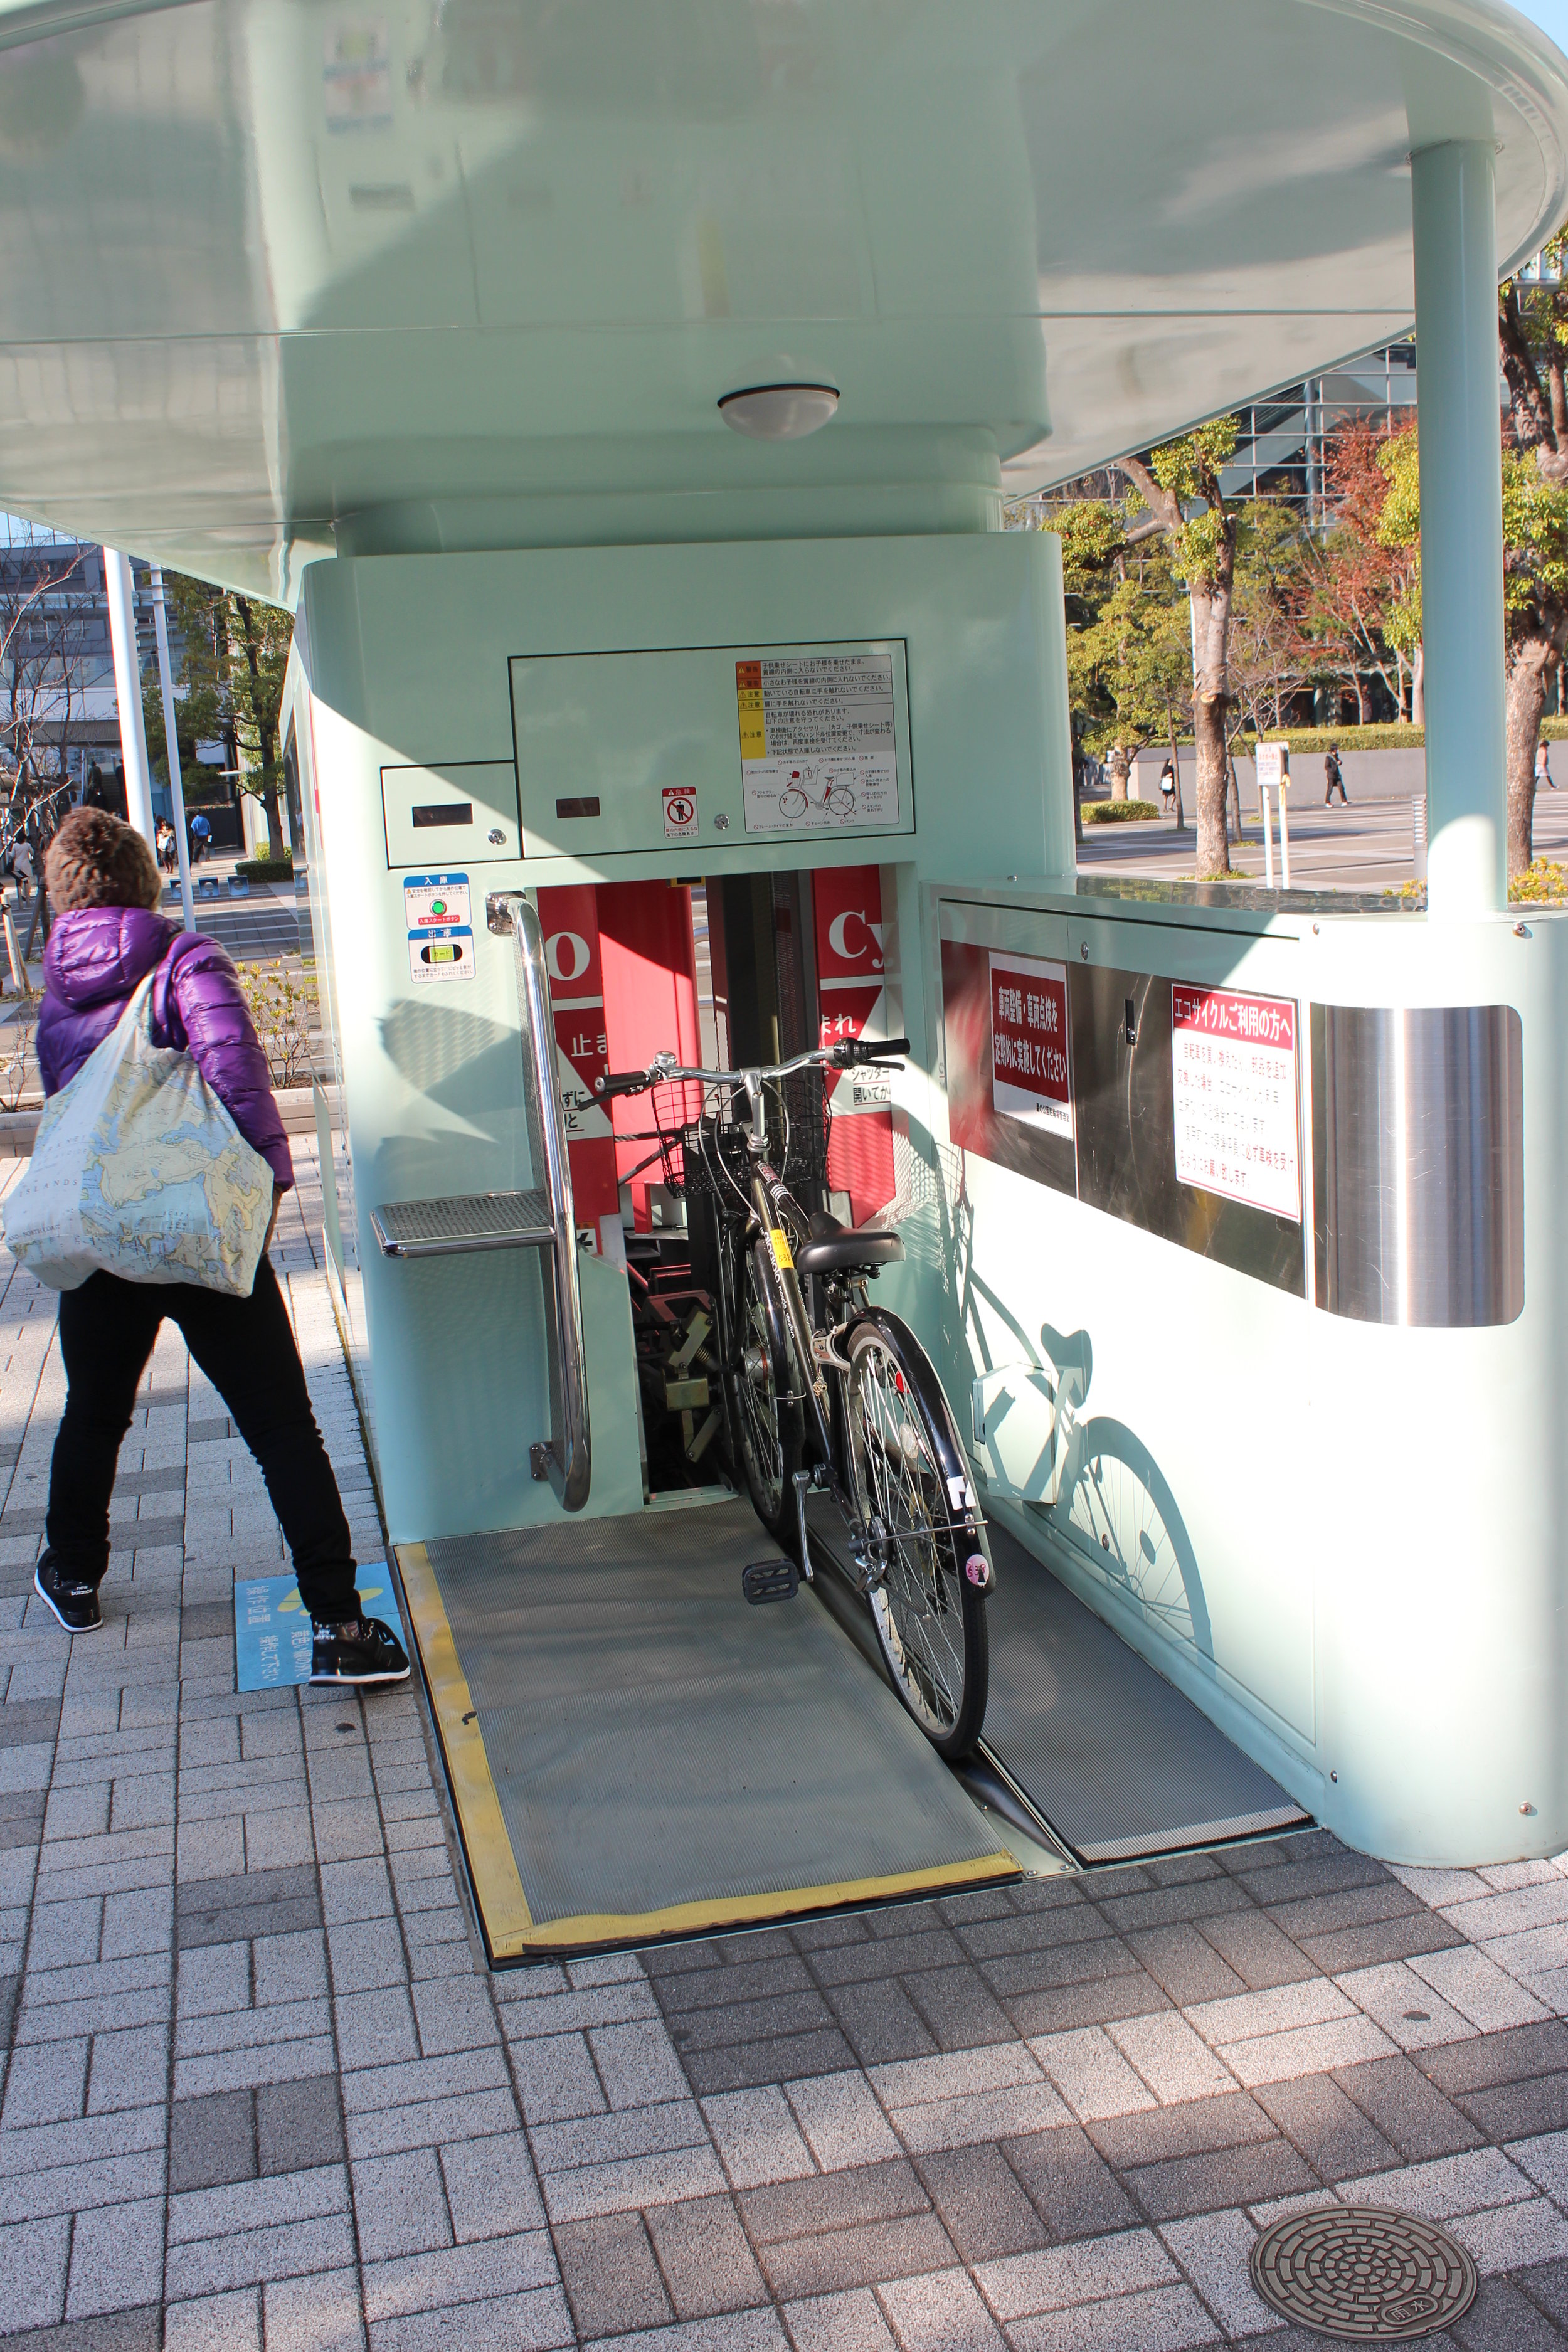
{"type": "Point", "coordinates": [1111, 1754]}
{"type": "Point", "coordinates": [660, 1748]}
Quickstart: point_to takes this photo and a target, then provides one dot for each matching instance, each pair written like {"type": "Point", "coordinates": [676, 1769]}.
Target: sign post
{"type": "Point", "coordinates": [1274, 776]}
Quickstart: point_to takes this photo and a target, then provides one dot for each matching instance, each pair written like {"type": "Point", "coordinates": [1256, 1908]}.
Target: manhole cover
{"type": "Point", "coordinates": [1363, 2273]}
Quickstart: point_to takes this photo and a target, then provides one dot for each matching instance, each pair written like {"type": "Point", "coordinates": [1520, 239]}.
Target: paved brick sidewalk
{"type": "Point", "coordinates": [261, 2092]}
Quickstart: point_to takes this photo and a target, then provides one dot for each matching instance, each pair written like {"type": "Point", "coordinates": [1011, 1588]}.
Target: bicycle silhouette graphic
{"type": "Point", "coordinates": [797, 797]}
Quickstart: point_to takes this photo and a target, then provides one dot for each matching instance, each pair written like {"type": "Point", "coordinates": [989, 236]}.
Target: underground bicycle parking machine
{"type": "Point", "coordinates": [634, 426]}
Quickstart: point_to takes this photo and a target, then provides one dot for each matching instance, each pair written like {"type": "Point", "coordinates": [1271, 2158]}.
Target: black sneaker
{"type": "Point", "coordinates": [76, 1605]}
{"type": "Point", "coordinates": [362, 1649]}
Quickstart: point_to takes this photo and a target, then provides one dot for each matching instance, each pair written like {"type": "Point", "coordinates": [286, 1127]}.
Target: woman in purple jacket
{"type": "Point", "coordinates": [105, 887]}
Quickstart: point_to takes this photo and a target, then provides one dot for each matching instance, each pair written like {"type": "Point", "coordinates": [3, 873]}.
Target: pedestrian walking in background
{"type": "Point", "coordinates": [1168, 783]}
{"type": "Point", "coordinates": [108, 936]}
{"type": "Point", "coordinates": [1544, 767]}
{"type": "Point", "coordinates": [1333, 778]}
{"type": "Point", "coordinates": [201, 834]}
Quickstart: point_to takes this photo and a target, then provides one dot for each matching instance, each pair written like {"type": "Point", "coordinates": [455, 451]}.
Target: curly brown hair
{"type": "Point", "coordinates": [98, 860]}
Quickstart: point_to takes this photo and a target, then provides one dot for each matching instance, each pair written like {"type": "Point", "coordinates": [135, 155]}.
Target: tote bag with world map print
{"type": "Point", "coordinates": [140, 1170]}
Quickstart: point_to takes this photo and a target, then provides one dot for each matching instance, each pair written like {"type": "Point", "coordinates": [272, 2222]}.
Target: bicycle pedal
{"type": "Point", "coordinates": [770, 1579]}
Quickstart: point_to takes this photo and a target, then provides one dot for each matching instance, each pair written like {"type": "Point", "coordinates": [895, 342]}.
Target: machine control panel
{"type": "Point", "coordinates": [465, 812]}
{"type": "Point", "coordinates": [711, 746]}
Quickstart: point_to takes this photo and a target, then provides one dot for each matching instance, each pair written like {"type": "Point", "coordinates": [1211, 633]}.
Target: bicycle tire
{"type": "Point", "coordinates": [799, 804]}
{"type": "Point", "coordinates": [929, 1620]}
{"type": "Point", "coordinates": [766, 1428]}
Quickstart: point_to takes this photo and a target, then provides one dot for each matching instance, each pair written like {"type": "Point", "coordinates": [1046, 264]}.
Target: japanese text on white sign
{"type": "Point", "coordinates": [819, 742]}
{"type": "Point", "coordinates": [1235, 1087]}
{"type": "Point", "coordinates": [1030, 1077]}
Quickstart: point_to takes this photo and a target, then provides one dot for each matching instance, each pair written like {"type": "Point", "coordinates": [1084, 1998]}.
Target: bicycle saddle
{"type": "Point", "coordinates": [833, 1248]}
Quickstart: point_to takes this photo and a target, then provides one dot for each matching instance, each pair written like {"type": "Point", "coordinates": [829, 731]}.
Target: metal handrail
{"type": "Point", "coordinates": [566, 1459]}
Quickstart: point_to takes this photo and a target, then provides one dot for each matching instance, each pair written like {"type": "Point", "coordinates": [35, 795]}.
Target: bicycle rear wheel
{"type": "Point", "coordinates": [766, 1425]}
{"type": "Point", "coordinates": [930, 1618]}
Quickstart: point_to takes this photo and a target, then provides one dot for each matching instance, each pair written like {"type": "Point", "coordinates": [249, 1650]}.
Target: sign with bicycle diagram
{"type": "Point", "coordinates": [819, 742]}
{"type": "Point", "coordinates": [1235, 1092]}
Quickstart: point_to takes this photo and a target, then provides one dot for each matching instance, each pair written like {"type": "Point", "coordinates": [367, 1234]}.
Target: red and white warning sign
{"type": "Point", "coordinates": [1031, 1079]}
{"type": "Point", "coordinates": [1235, 1086]}
{"type": "Point", "coordinates": [679, 813]}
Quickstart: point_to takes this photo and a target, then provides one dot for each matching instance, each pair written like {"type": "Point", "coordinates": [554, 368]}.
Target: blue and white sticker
{"type": "Point", "coordinates": [443, 952]}
{"type": "Point", "coordinates": [272, 1626]}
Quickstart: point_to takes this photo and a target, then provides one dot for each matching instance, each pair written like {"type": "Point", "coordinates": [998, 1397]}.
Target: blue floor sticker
{"type": "Point", "coordinates": [272, 1631]}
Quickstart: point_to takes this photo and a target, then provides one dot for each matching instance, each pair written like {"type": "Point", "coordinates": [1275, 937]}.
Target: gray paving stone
{"type": "Point", "coordinates": [490, 2189]}
{"type": "Point", "coordinates": [719, 2024]}
{"type": "Point", "coordinates": [1515, 2056]}
{"type": "Point", "coordinates": [1409, 2111]}
{"type": "Point", "coordinates": [881, 2022]}
{"type": "Point", "coordinates": [611, 2275]}
{"type": "Point", "coordinates": [1502, 2316]}
{"type": "Point", "coordinates": [33, 2262]}
{"type": "Point", "coordinates": [1249, 2175]}
{"type": "Point", "coordinates": [1072, 2188]}
{"type": "Point", "coordinates": [212, 2140]}
{"type": "Point", "coordinates": [958, 2008]}
{"type": "Point", "coordinates": [835, 2201]}
{"type": "Point", "coordinates": [707, 2265]}
{"type": "Point", "coordinates": [1390, 1940]}
{"type": "Point", "coordinates": [1185, 1966]}
{"type": "Point", "coordinates": [26, 1723]}
{"type": "Point", "coordinates": [298, 2124]}
{"type": "Point", "coordinates": [253, 1902]}
{"type": "Point", "coordinates": [1102, 2000]}
{"type": "Point", "coordinates": [831, 2259]}
{"type": "Point", "coordinates": [744, 2064]}
{"type": "Point", "coordinates": [981, 2204]}
{"type": "Point", "coordinates": [1331, 2131]}
{"type": "Point", "coordinates": [400, 2204]}
{"type": "Point", "coordinates": [118, 2331]}
{"type": "Point", "coordinates": [117, 2258]}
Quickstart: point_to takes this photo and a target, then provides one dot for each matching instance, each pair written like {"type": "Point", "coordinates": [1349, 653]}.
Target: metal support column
{"type": "Point", "coordinates": [176, 785]}
{"type": "Point", "coordinates": [127, 694]}
{"type": "Point", "coordinates": [1453, 218]}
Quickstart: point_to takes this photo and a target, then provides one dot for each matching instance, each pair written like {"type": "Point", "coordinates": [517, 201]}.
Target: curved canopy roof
{"type": "Point", "coordinates": [280, 275]}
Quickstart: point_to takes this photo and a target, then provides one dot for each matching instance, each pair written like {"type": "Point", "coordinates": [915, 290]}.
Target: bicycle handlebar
{"type": "Point", "coordinates": [851, 1053]}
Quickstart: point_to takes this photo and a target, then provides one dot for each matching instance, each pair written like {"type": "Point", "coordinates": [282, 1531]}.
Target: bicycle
{"type": "Point", "coordinates": [823, 1393]}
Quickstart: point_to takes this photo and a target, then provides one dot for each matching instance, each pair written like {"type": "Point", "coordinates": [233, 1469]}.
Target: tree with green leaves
{"type": "Point", "coordinates": [235, 656]}
{"type": "Point", "coordinates": [1535, 598]}
{"type": "Point", "coordinates": [1179, 487]}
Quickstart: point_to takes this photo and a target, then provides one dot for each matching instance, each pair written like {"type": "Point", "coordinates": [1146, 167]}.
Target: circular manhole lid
{"type": "Point", "coordinates": [1363, 2272]}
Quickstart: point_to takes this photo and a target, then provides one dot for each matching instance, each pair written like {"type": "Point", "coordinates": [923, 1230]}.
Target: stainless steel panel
{"type": "Point", "coordinates": [1418, 1156]}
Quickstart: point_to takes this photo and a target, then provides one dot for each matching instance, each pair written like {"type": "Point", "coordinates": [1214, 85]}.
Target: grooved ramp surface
{"type": "Point", "coordinates": [1113, 1756]}
{"type": "Point", "coordinates": [657, 1747]}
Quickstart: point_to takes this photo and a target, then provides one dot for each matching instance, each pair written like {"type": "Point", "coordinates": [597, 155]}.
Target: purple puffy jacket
{"type": "Point", "coordinates": [98, 956]}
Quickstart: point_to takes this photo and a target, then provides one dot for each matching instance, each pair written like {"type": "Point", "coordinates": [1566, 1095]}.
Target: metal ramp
{"type": "Point", "coordinates": [633, 1752]}
{"type": "Point", "coordinates": [1104, 1755]}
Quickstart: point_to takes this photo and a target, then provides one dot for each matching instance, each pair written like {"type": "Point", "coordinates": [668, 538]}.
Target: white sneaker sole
{"type": "Point", "coordinates": [358, 1681]}
{"type": "Point", "coordinates": [50, 1605]}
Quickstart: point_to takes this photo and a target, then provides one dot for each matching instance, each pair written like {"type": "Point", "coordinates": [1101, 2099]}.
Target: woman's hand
{"type": "Point", "coordinates": [278, 1191]}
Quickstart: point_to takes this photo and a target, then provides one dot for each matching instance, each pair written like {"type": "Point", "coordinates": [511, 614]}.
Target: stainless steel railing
{"type": "Point", "coordinates": [565, 1458]}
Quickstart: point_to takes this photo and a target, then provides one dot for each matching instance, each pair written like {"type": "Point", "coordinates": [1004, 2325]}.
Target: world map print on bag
{"type": "Point", "coordinates": [138, 1169]}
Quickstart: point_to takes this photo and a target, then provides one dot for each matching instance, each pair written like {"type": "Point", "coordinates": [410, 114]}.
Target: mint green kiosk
{"type": "Point", "coordinates": [611, 391]}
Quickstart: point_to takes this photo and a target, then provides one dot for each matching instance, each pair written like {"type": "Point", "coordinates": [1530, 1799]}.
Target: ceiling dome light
{"type": "Point", "coordinates": [779, 412]}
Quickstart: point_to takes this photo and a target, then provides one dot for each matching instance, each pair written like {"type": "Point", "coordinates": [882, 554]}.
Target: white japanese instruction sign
{"type": "Point", "coordinates": [1234, 1079]}
{"type": "Point", "coordinates": [819, 742]}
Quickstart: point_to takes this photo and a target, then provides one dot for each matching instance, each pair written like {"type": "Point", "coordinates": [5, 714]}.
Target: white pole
{"type": "Point", "coordinates": [1453, 211]}
{"type": "Point", "coordinates": [176, 788]}
{"type": "Point", "coordinates": [1267, 836]}
{"type": "Point", "coordinates": [127, 694]}
{"type": "Point", "coordinates": [1284, 834]}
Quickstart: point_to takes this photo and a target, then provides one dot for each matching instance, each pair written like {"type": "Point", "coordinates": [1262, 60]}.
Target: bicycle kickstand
{"type": "Point", "coordinates": [800, 1481]}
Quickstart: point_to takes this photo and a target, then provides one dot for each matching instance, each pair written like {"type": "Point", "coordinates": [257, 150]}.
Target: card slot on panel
{"type": "Point", "coordinates": [463, 812]}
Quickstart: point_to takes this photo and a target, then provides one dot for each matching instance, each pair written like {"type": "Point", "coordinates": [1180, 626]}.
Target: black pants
{"type": "Point", "coordinates": [1329, 796]}
{"type": "Point", "coordinates": [246, 1348]}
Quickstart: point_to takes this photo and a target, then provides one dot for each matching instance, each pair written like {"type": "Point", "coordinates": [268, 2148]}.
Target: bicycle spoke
{"type": "Point", "coordinates": [918, 1600]}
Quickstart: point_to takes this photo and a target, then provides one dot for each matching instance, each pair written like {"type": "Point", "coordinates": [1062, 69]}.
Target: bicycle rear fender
{"type": "Point", "coordinates": [921, 1373]}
